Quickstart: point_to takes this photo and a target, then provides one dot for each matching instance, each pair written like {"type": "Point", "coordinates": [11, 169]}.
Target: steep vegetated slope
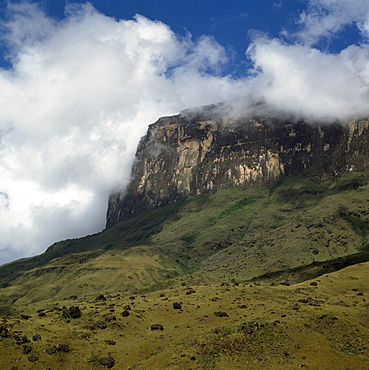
{"type": "Point", "coordinates": [294, 230]}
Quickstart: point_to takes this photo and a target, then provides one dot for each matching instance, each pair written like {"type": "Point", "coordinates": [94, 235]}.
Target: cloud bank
{"type": "Point", "coordinates": [293, 74]}
{"type": "Point", "coordinates": [81, 91]}
{"type": "Point", "coordinates": [78, 97]}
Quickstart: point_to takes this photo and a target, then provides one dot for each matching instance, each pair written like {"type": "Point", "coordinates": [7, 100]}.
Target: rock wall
{"type": "Point", "coordinates": [191, 154]}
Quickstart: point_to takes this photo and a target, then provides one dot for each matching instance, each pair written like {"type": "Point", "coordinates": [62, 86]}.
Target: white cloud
{"type": "Point", "coordinates": [312, 83]}
{"type": "Point", "coordinates": [80, 94]}
{"type": "Point", "coordinates": [324, 18]}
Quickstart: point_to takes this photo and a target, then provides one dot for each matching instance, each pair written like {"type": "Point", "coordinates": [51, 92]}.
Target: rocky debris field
{"type": "Point", "coordinates": [320, 324]}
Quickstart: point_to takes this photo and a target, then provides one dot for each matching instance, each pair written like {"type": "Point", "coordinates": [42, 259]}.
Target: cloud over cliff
{"type": "Point", "coordinates": [80, 92]}
{"type": "Point", "coordinates": [78, 96]}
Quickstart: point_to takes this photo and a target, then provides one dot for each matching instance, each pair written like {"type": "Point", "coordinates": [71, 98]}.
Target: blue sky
{"type": "Point", "coordinates": [80, 83]}
{"type": "Point", "coordinates": [232, 23]}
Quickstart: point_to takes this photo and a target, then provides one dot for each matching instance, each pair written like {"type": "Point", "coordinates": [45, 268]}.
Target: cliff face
{"type": "Point", "coordinates": [190, 154]}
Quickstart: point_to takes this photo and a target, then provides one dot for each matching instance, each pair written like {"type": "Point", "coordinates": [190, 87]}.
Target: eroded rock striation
{"type": "Point", "coordinates": [199, 152]}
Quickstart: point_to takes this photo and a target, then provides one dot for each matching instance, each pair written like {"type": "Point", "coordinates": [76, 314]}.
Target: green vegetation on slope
{"type": "Point", "coordinates": [292, 230]}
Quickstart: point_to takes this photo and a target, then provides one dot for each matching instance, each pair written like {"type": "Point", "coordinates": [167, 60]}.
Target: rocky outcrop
{"type": "Point", "coordinates": [196, 153]}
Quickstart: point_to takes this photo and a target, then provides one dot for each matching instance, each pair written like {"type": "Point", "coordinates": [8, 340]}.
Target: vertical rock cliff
{"type": "Point", "coordinates": [193, 153]}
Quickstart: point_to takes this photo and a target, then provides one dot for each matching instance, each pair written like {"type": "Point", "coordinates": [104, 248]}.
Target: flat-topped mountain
{"type": "Point", "coordinates": [198, 152]}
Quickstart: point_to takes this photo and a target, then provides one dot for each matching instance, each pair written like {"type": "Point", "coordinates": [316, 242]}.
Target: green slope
{"type": "Point", "coordinates": [294, 230]}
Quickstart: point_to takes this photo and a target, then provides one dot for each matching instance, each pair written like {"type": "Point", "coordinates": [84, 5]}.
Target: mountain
{"type": "Point", "coordinates": [240, 242]}
{"type": "Point", "coordinates": [201, 151]}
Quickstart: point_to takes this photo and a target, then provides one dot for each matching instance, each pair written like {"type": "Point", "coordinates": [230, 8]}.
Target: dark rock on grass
{"type": "Point", "coordinates": [51, 351]}
{"type": "Point", "coordinates": [100, 297]}
{"type": "Point", "coordinates": [314, 283]}
{"type": "Point", "coordinates": [177, 306]}
{"type": "Point", "coordinates": [111, 318]}
{"type": "Point", "coordinates": [127, 307]}
{"type": "Point", "coordinates": [4, 332]}
{"type": "Point", "coordinates": [221, 314]}
{"type": "Point", "coordinates": [36, 337]}
{"type": "Point", "coordinates": [74, 312]}
{"type": "Point", "coordinates": [62, 347]}
{"type": "Point", "coordinates": [21, 339]}
{"type": "Point", "coordinates": [41, 314]}
{"type": "Point", "coordinates": [191, 291]}
{"type": "Point", "coordinates": [101, 324]}
{"type": "Point", "coordinates": [107, 361]}
{"type": "Point", "coordinates": [32, 358]}
{"type": "Point", "coordinates": [249, 328]}
{"type": "Point", "coordinates": [26, 349]}
{"type": "Point", "coordinates": [125, 313]}
{"type": "Point", "coordinates": [25, 317]}
{"type": "Point", "coordinates": [157, 327]}
{"type": "Point", "coordinates": [111, 342]}
{"type": "Point", "coordinates": [58, 348]}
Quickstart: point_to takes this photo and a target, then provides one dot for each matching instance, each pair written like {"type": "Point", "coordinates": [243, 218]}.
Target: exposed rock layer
{"type": "Point", "coordinates": [190, 154]}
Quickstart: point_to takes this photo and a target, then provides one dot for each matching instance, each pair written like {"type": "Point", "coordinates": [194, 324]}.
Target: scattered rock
{"type": "Point", "coordinates": [101, 324]}
{"type": "Point", "coordinates": [58, 348]}
{"type": "Point", "coordinates": [340, 303]}
{"type": "Point", "coordinates": [36, 337]}
{"type": "Point", "coordinates": [32, 358]}
{"type": "Point", "coordinates": [157, 327]}
{"type": "Point", "coordinates": [314, 283]}
{"type": "Point", "coordinates": [221, 314]}
{"type": "Point", "coordinates": [62, 347]}
{"type": "Point", "coordinates": [4, 332]}
{"type": "Point", "coordinates": [73, 312]}
{"type": "Point", "coordinates": [177, 306]}
{"type": "Point", "coordinates": [100, 297]}
{"type": "Point", "coordinates": [21, 339]}
{"type": "Point", "coordinates": [125, 313]}
{"type": "Point", "coordinates": [249, 328]}
{"type": "Point", "coordinates": [111, 342]}
{"type": "Point", "coordinates": [111, 318]}
{"type": "Point", "coordinates": [25, 317]}
{"type": "Point", "coordinates": [127, 307]}
{"type": "Point", "coordinates": [191, 291]}
{"type": "Point", "coordinates": [107, 361]}
{"type": "Point", "coordinates": [26, 349]}
{"type": "Point", "coordinates": [51, 350]}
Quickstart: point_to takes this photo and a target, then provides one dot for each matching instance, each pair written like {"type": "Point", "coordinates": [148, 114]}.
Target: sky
{"type": "Point", "coordinates": [80, 83]}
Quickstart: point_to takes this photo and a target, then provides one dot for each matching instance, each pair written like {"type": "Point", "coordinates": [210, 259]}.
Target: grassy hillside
{"type": "Point", "coordinates": [235, 263]}
{"type": "Point", "coordinates": [320, 324]}
{"type": "Point", "coordinates": [295, 230]}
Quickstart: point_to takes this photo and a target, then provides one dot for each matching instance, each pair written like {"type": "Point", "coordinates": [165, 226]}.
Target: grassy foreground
{"type": "Point", "coordinates": [320, 324]}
